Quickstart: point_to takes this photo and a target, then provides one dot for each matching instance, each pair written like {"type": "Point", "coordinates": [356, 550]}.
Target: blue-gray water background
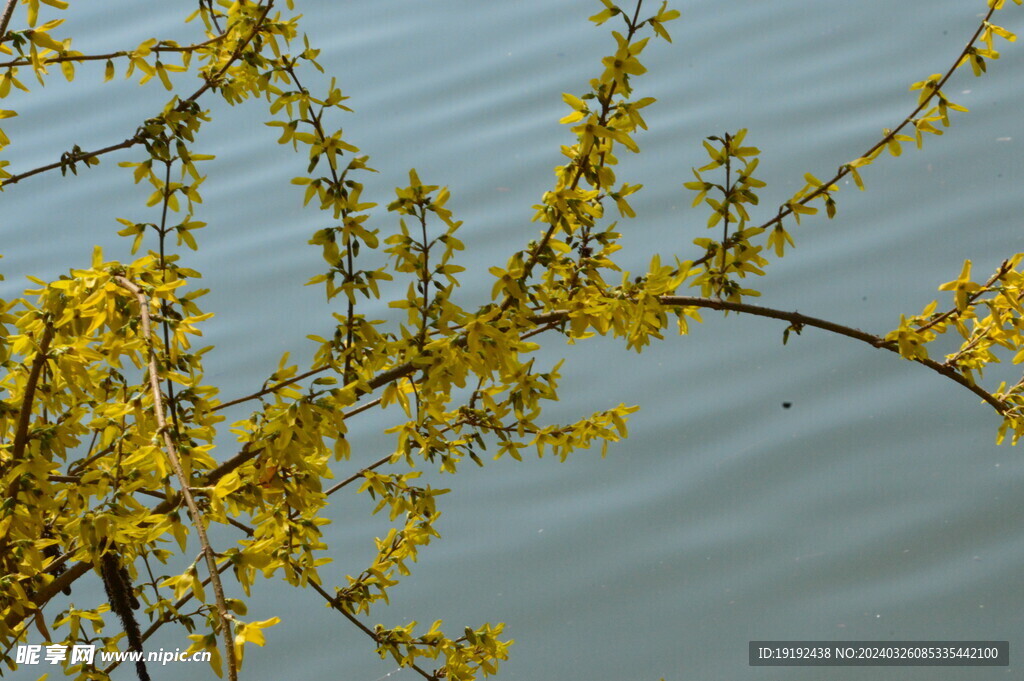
{"type": "Point", "coordinates": [876, 507]}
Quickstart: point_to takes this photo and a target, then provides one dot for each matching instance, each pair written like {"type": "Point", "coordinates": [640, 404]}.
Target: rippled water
{"type": "Point", "coordinates": [876, 507]}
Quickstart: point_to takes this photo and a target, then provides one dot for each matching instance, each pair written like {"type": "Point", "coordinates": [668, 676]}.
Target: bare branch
{"type": "Point", "coordinates": [872, 340]}
{"type": "Point", "coordinates": [363, 628]}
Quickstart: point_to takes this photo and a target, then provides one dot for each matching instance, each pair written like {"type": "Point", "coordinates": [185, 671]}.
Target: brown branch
{"type": "Point", "coordinates": [1005, 267]}
{"type": "Point", "coordinates": [875, 341]}
{"type": "Point", "coordinates": [6, 19]}
{"type": "Point", "coordinates": [355, 476]}
{"type": "Point", "coordinates": [25, 413]}
{"type": "Point", "coordinates": [550, 320]}
{"type": "Point", "coordinates": [73, 158]}
{"type": "Point", "coordinates": [333, 602]}
{"type": "Point", "coordinates": [546, 321]}
{"type": "Point", "coordinates": [224, 624]}
{"type": "Point", "coordinates": [553, 317]}
{"type": "Point", "coordinates": [270, 389]}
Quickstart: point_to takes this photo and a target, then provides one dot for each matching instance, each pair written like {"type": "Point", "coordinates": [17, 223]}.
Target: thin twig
{"type": "Point", "coordinates": [269, 389]}
{"type": "Point", "coordinates": [130, 142]}
{"type": "Point", "coordinates": [111, 55]}
{"type": "Point", "coordinates": [1005, 267]}
{"type": "Point", "coordinates": [355, 476]}
{"type": "Point", "coordinates": [162, 231]}
{"type": "Point", "coordinates": [363, 628]}
{"type": "Point", "coordinates": [726, 201]}
{"type": "Point", "coordinates": [606, 104]}
{"type": "Point", "coordinates": [361, 408]}
{"type": "Point", "coordinates": [316, 121]}
{"type": "Point", "coordinates": [786, 210]}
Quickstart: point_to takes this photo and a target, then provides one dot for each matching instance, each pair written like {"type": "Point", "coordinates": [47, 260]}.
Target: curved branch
{"type": "Point", "coordinates": [270, 388]}
{"type": "Point", "coordinates": [872, 340]}
{"type": "Point", "coordinates": [549, 320]}
{"type": "Point", "coordinates": [71, 158]}
{"type": "Point", "coordinates": [358, 474]}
